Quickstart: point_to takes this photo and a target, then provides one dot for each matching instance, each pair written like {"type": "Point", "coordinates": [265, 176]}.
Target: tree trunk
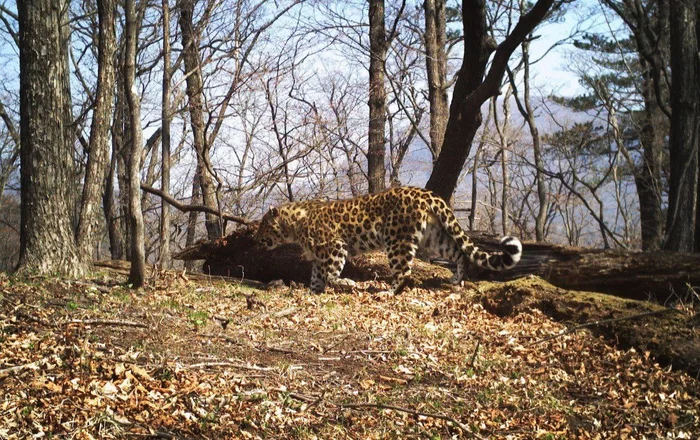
{"type": "Point", "coordinates": [69, 128]}
{"type": "Point", "coordinates": [120, 151]}
{"type": "Point", "coordinates": [472, 88]}
{"type": "Point", "coordinates": [10, 165]}
{"type": "Point", "coordinates": [114, 233]}
{"type": "Point", "coordinates": [376, 173]}
{"type": "Point", "coordinates": [190, 44]}
{"type": "Point", "coordinates": [165, 257]}
{"type": "Point", "coordinates": [98, 147]}
{"type": "Point", "coordinates": [192, 219]}
{"type": "Point", "coordinates": [697, 131]}
{"type": "Point", "coordinates": [542, 204]}
{"type": "Point", "coordinates": [502, 129]}
{"type": "Point", "coordinates": [648, 175]}
{"type": "Point", "coordinates": [47, 245]}
{"type": "Point", "coordinates": [436, 61]}
{"type": "Point", "coordinates": [137, 275]}
{"type": "Point", "coordinates": [683, 144]}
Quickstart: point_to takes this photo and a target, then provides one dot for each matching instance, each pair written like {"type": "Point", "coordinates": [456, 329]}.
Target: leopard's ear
{"type": "Point", "coordinates": [274, 212]}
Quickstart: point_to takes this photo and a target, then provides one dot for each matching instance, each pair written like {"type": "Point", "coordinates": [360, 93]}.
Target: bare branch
{"type": "Point", "coordinates": [196, 208]}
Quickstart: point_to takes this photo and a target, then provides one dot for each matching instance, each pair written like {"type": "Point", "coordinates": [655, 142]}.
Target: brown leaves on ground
{"type": "Point", "coordinates": [93, 359]}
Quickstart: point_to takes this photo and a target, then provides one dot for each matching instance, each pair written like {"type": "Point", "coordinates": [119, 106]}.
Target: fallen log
{"type": "Point", "coordinates": [658, 276]}
{"type": "Point", "coordinates": [238, 255]}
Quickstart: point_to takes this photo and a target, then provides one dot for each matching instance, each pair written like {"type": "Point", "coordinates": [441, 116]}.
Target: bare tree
{"type": "Point", "coordinates": [47, 244]}
{"type": "Point", "coordinates": [527, 111]}
{"type": "Point", "coordinates": [137, 274]}
{"type": "Point", "coordinates": [165, 258]}
{"type": "Point", "coordinates": [195, 84]}
{"type": "Point", "coordinates": [9, 150]}
{"type": "Point", "coordinates": [436, 68]}
{"type": "Point", "coordinates": [475, 86]}
{"type": "Point", "coordinates": [98, 147]}
{"type": "Point", "coordinates": [376, 172]}
{"type": "Point", "coordinates": [685, 127]}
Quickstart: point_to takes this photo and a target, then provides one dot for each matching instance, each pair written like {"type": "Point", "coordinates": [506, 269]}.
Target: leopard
{"type": "Point", "coordinates": [398, 221]}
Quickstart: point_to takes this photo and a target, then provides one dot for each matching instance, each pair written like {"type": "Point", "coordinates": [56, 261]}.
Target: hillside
{"type": "Point", "coordinates": [210, 358]}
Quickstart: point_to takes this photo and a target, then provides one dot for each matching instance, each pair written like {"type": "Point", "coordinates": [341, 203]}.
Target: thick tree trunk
{"type": "Point", "coordinates": [98, 147]}
{"type": "Point", "coordinates": [436, 61]}
{"type": "Point", "coordinates": [165, 258]}
{"type": "Point", "coordinates": [472, 88]}
{"type": "Point", "coordinates": [376, 173]}
{"type": "Point", "coordinates": [137, 275]}
{"type": "Point", "coordinates": [191, 57]}
{"type": "Point", "coordinates": [648, 176]}
{"type": "Point", "coordinates": [697, 130]}
{"type": "Point", "coordinates": [46, 236]}
{"type": "Point", "coordinates": [683, 144]}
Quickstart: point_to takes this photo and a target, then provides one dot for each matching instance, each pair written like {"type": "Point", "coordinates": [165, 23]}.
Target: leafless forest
{"type": "Point", "coordinates": [230, 106]}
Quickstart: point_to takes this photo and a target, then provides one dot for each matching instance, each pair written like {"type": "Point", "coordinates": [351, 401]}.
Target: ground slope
{"type": "Point", "coordinates": [208, 358]}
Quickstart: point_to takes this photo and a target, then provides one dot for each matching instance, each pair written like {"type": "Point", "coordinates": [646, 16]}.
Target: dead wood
{"type": "Point", "coordinates": [239, 256]}
{"type": "Point", "coordinates": [657, 276]}
{"type": "Point", "coordinates": [30, 366]}
{"type": "Point", "coordinates": [107, 322]}
{"type": "Point", "coordinates": [637, 275]}
{"type": "Point", "coordinates": [188, 208]}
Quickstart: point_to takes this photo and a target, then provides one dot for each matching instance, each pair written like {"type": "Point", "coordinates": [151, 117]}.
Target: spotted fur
{"type": "Point", "coordinates": [397, 221]}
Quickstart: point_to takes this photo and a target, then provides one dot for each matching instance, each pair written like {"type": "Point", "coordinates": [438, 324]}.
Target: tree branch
{"type": "Point", "coordinates": [189, 208]}
{"type": "Point", "coordinates": [527, 23]}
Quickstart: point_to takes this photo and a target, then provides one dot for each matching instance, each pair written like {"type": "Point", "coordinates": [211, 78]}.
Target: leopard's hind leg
{"type": "Point", "coordinates": [437, 242]}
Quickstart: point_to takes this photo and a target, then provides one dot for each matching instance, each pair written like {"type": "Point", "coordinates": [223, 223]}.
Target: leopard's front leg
{"type": "Point", "coordinates": [318, 283]}
{"type": "Point", "coordinates": [333, 263]}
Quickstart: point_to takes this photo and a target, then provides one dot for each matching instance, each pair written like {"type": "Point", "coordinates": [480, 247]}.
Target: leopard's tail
{"type": "Point", "coordinates": [511, 247]}
{"type": "Point", "coordinates": [509, 257]}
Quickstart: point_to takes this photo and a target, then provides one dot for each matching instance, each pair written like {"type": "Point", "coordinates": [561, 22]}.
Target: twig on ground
{"type": "Point", "coordinates": [452, 420]}
{"type": "Point", "coordinates": [286, 312]}
{"type": "Point", "coordinates": [601, 322]}
{"type": "Point", "coordinates": [30, 366]}
{"type": "Point", "coordinates": [476, 351]}
{"type": "Point", "coordinates": [229, 364]}
{"type": "Point", "coordinates": [275, 349]}
{"type": "Point", "coordinates": [303, 397]}
{"type": "Point", "coordinates": [32, 318]}
{"type": "Point", "coordinates": [112, 322]}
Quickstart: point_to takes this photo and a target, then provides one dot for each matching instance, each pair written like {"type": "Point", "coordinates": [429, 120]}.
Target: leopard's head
{"type": "Point", "coordinates": [271, 232]}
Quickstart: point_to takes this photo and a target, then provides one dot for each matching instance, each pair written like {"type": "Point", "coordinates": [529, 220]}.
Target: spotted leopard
{"type": "Point", "coordinates": [397, 221]}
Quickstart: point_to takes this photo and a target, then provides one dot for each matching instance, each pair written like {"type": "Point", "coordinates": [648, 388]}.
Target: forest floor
{"type": "Point", "coordinates": [199, 357]}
